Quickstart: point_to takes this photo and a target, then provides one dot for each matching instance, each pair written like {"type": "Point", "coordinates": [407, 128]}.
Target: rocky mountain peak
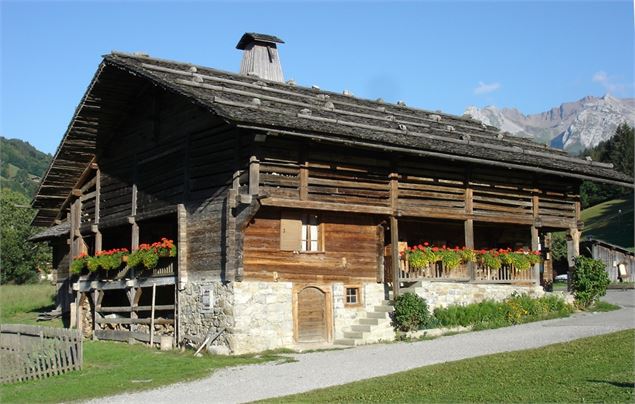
{"type": "Point", "coordinates": [571, 126]}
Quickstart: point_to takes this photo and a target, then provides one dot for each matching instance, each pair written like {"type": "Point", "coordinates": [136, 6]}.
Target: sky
{"type": "Point", "coordinates": [430, 54]}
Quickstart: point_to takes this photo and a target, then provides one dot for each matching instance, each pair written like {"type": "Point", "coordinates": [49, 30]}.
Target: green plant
{"type": "Point", "coordinates": [147, 255]}
{"type": "Point", "coordinates": [79, 263]}
{"type": "Point", "coordinates": [411, 312]}
{"type": "Point", "coordinates": [589, 281]}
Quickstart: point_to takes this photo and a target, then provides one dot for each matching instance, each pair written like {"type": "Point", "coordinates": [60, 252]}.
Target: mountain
{"type": "Point", "coordinates": [21, 166]}
{"type": "Point", "coordinates": [573, 126]}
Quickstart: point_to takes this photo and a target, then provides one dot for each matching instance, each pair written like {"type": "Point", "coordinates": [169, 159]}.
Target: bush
{"type": "Point", "coordinates": [589, 281]}
{"type": "Point", "coordinates": [411, 312]}
{"type": "Point", "coordinates": [516, 309]}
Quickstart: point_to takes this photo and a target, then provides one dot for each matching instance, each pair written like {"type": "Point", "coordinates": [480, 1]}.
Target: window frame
{"type": "Point", "coordinates": [358, 295]}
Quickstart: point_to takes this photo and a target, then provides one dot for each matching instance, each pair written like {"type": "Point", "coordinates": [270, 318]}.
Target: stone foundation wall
{"type": "Point", "coordinates": [196, 321]}
{"type": "Point", "coordinates": [263, 316]}
{"type": "Point", "coordinates": [443, 294]}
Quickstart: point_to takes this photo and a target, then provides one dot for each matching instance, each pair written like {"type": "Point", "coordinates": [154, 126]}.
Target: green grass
{"type": "Point", "coordinates": [599, 369]}
{"type": "Point", "coordinates": [111, 368]}
{"type": "Point", "coordinates": [22, 303]}
{"type": "Point", "coordinates": [604, 222]}
{"type": "Point", "coordinates": [602, 306]}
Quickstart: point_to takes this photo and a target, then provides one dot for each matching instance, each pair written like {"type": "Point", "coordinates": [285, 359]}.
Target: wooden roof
{"type": "Point", "coordinates": [253, 36]}
{"type": "Point", "coordinates": [290, 110]}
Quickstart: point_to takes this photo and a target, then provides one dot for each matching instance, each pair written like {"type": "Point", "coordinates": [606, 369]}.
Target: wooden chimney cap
{"type": "Point", "coordinates": [249, 37]}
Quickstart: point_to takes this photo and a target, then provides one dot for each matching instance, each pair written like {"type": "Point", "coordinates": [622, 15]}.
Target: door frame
{"type": "Point", "coordinates": [328, 307]}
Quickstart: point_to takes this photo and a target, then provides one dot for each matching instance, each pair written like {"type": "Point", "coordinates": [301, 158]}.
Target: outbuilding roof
{"type": "Point", "coordinates": [291, 110]}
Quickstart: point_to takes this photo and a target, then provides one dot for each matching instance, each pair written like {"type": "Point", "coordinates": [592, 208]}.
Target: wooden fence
{"type": "Point", "coordinates": [33, 352]}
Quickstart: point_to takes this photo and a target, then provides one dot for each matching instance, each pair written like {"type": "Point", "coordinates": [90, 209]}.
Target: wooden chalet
{"type": "Point", "coordinates": [287, 204]}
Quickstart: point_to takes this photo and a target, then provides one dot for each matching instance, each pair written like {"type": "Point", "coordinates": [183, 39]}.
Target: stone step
{"type": "Point", "coordinates": [369, 321]}
{"type": "Point", "coordinates": [346, 341]}
{"type": "Point", "coordinates": [373, 314]}
{"type": "Point", "coordinates": [384, 309]}
{"type": "Point", "coordinates": [361, 328]}
{"type": "Point", "coordinates": [354, 334]}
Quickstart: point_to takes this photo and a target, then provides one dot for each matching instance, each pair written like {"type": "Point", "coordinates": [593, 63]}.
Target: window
{"type": "Point", "coordinates": [300, 232]}
{"type": "Point", "coordinates": [309, 240]}
{"type": "Point", "coordinates": [352, 296]}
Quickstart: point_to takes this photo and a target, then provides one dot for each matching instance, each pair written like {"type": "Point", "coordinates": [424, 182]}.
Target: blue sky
{"type": "Point", "coordinates": [433, 55]}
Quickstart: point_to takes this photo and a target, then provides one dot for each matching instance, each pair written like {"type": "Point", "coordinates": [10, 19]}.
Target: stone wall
{"type": "Point", "coordinates": [443, 294]}
{"type": "Point", "coordinates": [372, 294]}
{"type": "Point", "coordinates": [195, 321]}
{"type": "Point", "coordinates": [263, 313]}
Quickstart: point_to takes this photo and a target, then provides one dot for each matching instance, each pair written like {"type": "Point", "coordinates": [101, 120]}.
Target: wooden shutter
{"type": "Point", "coordinates": [290, 231]}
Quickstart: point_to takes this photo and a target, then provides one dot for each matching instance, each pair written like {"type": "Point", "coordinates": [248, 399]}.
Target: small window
{"type": "Point", "coordinates": [310, 233]}
{"type": "Point", "coordinates": [300, 232]}
{"type": "Point", "coordinates": [352, 296]}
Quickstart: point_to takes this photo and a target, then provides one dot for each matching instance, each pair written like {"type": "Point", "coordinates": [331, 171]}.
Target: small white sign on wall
{"type": "Point", "coordinates": [207, 298]}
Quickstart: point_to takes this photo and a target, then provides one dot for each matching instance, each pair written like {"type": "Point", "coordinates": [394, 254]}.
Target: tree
{"type": "Point", "coordinates": [618, 150]}
{"type": "Point", "coordinates": [19, 258]}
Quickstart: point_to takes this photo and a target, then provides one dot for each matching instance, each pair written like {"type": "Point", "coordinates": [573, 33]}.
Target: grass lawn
{"type": "Point", "coordinates": [20, 304]}
{"type": "Point", "coordinates": [111, 368]}
{"type": "Point", "coordinates": [604, 222]}
{"type": "Point", "coordinates": [590, 369]}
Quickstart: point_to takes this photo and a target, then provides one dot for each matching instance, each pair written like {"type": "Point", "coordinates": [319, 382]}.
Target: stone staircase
{"type": "Point", "coordinates": [372, 326]}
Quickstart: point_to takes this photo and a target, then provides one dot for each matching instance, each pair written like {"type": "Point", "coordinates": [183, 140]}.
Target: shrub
{"type": "Point", "coordinates": [411, 312]}
{"type": "Point", "coordinates": [516, 309]}
{"type": "Point", "coordinates": [589, 281]}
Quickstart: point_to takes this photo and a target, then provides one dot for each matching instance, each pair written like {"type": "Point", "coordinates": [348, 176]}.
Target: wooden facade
{"type": "Point", "coordinates": [223, 163]}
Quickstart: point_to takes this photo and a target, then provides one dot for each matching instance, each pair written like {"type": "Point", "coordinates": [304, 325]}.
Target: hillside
{"type": "Point", "coordinates": [606, 222]}
{"type": "Point", "coordinates": [572, 126]}
{"type": "Point", "coordinates": [21, 166]}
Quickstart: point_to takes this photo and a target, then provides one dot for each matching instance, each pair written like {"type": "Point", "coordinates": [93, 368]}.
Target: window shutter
{"type": "Point", "coordinates": [290, 231]}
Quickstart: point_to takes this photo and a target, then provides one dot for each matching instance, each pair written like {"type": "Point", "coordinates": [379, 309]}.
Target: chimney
{"type": "Point", "coordinates": [260, 56]}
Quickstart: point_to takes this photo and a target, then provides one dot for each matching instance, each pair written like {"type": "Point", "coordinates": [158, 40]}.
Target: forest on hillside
{"type": "Point", "coordinates": [21, 166]}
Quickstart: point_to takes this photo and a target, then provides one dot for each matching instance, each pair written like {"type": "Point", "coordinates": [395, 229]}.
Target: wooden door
{"type": "Point", "coordinates": [312, 315]}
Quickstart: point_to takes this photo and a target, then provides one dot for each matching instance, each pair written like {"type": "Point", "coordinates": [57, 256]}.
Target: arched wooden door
{"type": "Point", "coordinates": [312, 315]}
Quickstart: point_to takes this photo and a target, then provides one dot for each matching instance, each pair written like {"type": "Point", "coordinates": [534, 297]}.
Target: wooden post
{"type": "Point", "coordinates": [394, 253]}
{"type": "Point", "coordinates": [78, 312]}
{"type": "Point", "coordinates": [468, 225]}
{"type": "Point", "coordinates": [535, 245]}
{"type": "Point", "coordinates": [547, 274]}
{"type": "Point", "coordinates": [573, 250]}
{"type": "Point", "coordinates": [97, 195]}
{"type": "Point", "coordinates": [535, 236]}
{"type": "Point", "coordinates": [154, 292]}
{"type": "Point", "coordinates": [394, 233]}
{"type": "Point", "coordinates": [254, 176]}
{"type": "Point", "coordinates": [135, 235]}
{"type": "Point", "coordinates": [95, 297]}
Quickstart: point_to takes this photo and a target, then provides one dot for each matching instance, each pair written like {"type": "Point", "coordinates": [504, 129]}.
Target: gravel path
{"type": "Point", "coordinates": [323, 369]}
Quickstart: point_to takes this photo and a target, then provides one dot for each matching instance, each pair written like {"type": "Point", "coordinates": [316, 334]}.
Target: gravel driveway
{"type": "Point", "coordinates": [323, 369]}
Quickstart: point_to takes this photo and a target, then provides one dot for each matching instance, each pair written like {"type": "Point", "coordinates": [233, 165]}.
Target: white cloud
{"type": "Point", "coordinates": [484, 88]}
{"type": "Point", "coordinates": [610, 83]}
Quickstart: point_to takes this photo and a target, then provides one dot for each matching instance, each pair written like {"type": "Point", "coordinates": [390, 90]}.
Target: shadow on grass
{"type": "Point", "coordinates": [624, 385]}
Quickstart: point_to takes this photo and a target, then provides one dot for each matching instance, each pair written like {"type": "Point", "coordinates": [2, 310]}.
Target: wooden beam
{"type": "Point", "coordinates": [394, 192]}
{"type": "Point", "coordinates": [326, 206]}
{"type": "Point", "coordinates": [394, 255]}
{"type": "Point", "coordinates": [154, 294]}
{"type": "Point", "coordinates": [304, 174]}
{"type": "Point", "coordinates": [254, 175]}
{"type": "Point", "coordinates": [97, 195]}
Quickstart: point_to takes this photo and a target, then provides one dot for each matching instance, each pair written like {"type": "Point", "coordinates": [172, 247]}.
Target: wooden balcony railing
{"type": "Point", "coordinates": [463, 273]}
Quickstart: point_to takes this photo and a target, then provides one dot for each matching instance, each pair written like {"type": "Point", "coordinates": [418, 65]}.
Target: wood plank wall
{"type": "Point", "coordinates": [166, 152]}
{"type": "Point", "coordinates": [426, 187]}
{"type": "Point", "coordinates": [350, 250]}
